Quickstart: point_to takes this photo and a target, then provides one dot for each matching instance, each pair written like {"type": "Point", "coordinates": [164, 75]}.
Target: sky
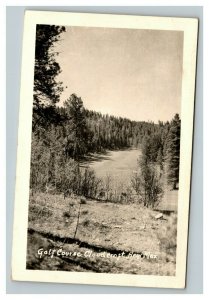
{"type": "Point", "coordinates": [131, 73]}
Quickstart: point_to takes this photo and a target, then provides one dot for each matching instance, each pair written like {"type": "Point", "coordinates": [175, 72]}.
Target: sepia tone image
{"type": "Point", "coordinates": [105, 150]}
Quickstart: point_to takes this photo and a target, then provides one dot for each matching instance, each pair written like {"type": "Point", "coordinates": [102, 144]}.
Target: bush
{"type": "Point", "coordinates": [147, 184]}
{"type": "Point", "coordinates": [83, 200]}
{"type": "Point", "coordinates": [66, 214]}
{"type": "Point", "coordinates": [86, 223]}
{"type": "Point", "coordinates": [89, 183]}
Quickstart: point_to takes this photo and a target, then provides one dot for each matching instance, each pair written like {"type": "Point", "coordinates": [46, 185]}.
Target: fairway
{"type": "Point", "coordinates": [118, 164]}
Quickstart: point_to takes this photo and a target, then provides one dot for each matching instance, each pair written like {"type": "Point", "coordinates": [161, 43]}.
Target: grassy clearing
{"type": "Point", "coordinates": [120, 165]}
{"type": "Point", "coordinates": [131, 228]}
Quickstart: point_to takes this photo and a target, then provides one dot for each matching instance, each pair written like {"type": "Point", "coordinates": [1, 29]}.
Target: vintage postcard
{"type": "Point", "coordinates": [104, 149]}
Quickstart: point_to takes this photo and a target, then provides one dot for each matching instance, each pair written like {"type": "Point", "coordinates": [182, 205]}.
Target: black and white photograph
{"type": "Point", "coordinates": [109, 143]}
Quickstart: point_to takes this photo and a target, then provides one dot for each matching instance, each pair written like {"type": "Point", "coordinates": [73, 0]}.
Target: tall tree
{"type": "Point", "coordinates": [78, 136]}
{"type": "Point", "coordinates": [173, 151]}
{"type": "Point", "coordinates": [46, 89]}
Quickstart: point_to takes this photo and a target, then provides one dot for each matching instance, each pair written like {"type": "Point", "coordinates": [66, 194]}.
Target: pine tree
{"type": "Point", "coordinates": [47, 90]}
{"type": "Point", "coordinates": [46, 68]}
{"type": "Point", "coordinates": [78, 135]}
{"type": "Point", "coordinates": [173, 151]}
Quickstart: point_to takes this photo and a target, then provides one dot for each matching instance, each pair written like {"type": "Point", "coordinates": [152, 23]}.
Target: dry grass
{"type": "Point", "coordinates": [131, 228]}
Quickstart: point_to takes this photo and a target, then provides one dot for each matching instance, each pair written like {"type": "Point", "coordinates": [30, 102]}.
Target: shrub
{"type": "Point", "coordinates": [66, 214]}
{"type": "Point", "coordinates": [147, 184]}
{"type": "Point", "coordinates": [89, 183]}
{"type": "Point", "coordinates": [83, 200]}
{"type": "Point", "coordinates": [86, 223]}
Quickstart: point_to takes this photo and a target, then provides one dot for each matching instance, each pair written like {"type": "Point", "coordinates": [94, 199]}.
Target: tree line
{"type": "Point", "coordinates": [60, 145]}
{"type": "Point", "coordinates": [160, 158]}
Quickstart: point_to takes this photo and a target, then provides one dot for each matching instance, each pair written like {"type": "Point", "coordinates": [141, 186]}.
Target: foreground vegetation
{"type": "Point", "coordinates": [102, 228]}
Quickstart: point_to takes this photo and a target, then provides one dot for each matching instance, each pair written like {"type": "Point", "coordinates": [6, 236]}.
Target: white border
{"type": "Point", "coordinates": [189, 26]}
